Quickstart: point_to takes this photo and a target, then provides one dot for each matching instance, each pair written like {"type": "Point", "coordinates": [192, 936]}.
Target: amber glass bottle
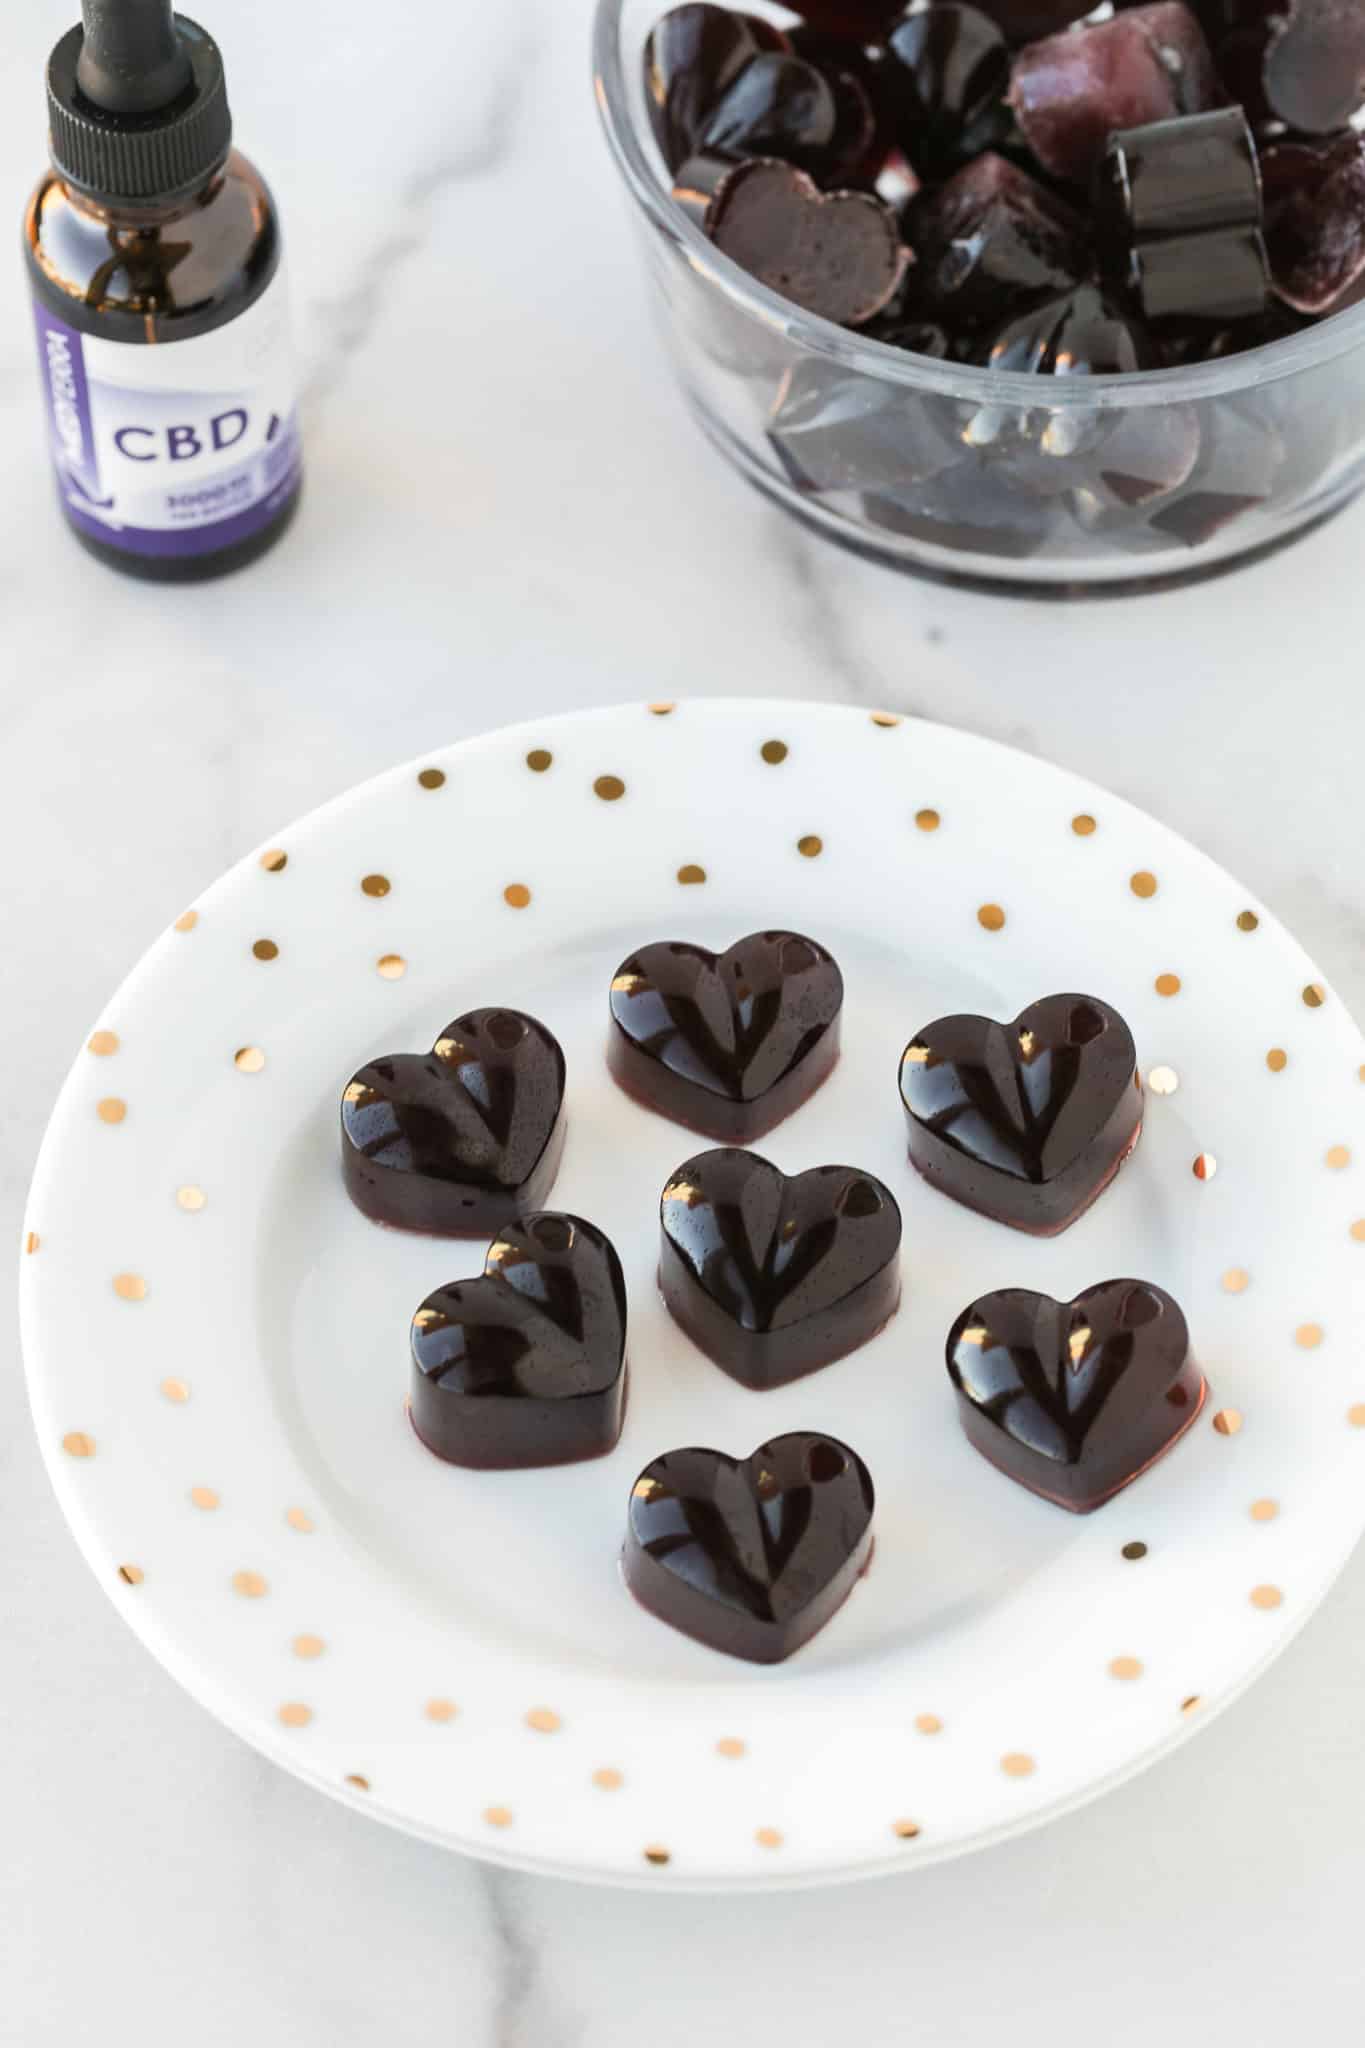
{"type": "Point", "coordinates": [153, 251]}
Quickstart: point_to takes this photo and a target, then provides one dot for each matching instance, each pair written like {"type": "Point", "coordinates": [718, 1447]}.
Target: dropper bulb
{"type": "Point", "coordinates": [134, 60]}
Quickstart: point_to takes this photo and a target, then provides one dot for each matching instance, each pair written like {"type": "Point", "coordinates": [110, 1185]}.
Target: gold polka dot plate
{"type": "Point", "coordinates": [453, 1651]}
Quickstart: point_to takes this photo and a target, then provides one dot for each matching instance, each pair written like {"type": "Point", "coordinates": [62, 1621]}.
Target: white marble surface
{"type": "Point", "coordinates": [508, 512]}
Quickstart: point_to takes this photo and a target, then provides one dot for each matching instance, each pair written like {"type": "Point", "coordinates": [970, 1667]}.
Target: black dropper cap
{"type": "Point", "coordinates": [138, 103]}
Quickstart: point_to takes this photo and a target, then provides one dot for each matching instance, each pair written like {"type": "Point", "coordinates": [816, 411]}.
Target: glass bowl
{"type": "Point", "coordinates": [986, 477]}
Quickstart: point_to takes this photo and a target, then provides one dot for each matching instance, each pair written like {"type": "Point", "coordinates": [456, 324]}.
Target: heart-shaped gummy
{"type": "Point", "coordinates": [838, 254]}
{"type": "Point", "coordinates": [1028, 1121]}
{"type": "Point", "coordinates": [691, 58]}
{"type": "Point", "coordinates": [460, 1140]}
{"type": "Point", "coordinates": [774, 1277]}
{"type": "Point", "coordinates": [727, 1043]}
{"type": "Point", "coordinates": [525, 1366]}
{"type": "Point", "coordinates": [1074, 1399]}
{"type": "Point", "coordinates": [751, 1555]}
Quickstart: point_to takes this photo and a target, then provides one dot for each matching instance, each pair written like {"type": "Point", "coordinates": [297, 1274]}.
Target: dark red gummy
{"type": "Point", "coordinates": [1180, 177]}
{"type": "Point", "coordinates": [1216, 277]}
{"type": "Point", "coordinates": [1081, 334]}
{"type": "Point", "coordinates": [691, 57]}
{"type": "Point", "coordinates": [1026, 1122]}
{"type": "Point", "coordinates": [839, 255]}
{"type": "Point", "coordinates": [527, 1365]}
{"type": "Point", "coordinates": [832, 431]}
{"type": "Point", "coordinates": [1075, 1399]}
{"type": "Point", "coordinates": [1315, 223]}
{"type": "Point", "coordinates": [1025, 20]}
{"type": "Point", "coordinates": [947, 71]}
{"type": "Point", "coordinates": [992, 237]}
{"type": "Point", "coordinates": [1314, 68]}
{"type": "Point", "coordinates": [459, 1141]}
{"type": "Point", "coordinates": [726, 1043]}
{"type": "Point", "coordinates": [1071, 92]}
{"type": "Point", "coordinates": [774, 1277]}
{"type": "Point", "coordinates": [776, 107]}
{"type": "Point", "coordinates": [752, 1556]}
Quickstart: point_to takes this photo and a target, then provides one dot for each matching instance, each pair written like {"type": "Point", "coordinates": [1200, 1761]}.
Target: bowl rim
{"type": "Point", "coordinates": [1231, 375]}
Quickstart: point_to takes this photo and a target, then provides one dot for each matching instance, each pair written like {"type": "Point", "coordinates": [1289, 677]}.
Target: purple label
{"type": "Point", "coordinates": [285, 461]}
{"type": "Point", "coordinates": [62, 356]}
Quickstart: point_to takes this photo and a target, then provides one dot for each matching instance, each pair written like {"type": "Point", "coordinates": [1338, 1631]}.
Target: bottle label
{"type": "Point", "coordinates": [174, 448]}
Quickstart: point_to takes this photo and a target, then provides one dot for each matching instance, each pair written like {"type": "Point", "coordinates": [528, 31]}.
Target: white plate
{"type": "Point", "coordinates": [230, 1444]}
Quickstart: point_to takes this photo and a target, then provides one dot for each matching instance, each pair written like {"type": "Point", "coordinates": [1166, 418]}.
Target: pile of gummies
{"type": "Point", "coordinates": [1029, 184]}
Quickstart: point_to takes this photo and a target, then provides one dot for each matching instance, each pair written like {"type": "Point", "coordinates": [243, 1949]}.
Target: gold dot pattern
{"type": "Point", "coordinates": [1167, 984]}
{"type": "Point", "coordinates": [77, 1444]}
{"type": "Point", "coordinates": [1266, 1597]}
{"type": "Point", "coordinates": [1308, 1336]}
{"type": "Point", "coordinates": [376, 885]}
{"type": "Point", "coordinates": [1228, 1421]}
{"type": "Point", "coordinates": [112, 1110]}
{"type": "Point", "coordinates": [905, 1830]}
{"type": "Point", "coordinates": [250, 1585]}
{"type": "Point", "coordinates": [1143, 883]}
{"type": "Point", "coordinates": [190, 1199]}
{"type": "Point", "coordinates": [1205, 1166]}
{"type": "Point", "coordinates": [768, 1838]}
{"type": "Point", "coordinates": [774, 752]}
{"type": "Point", "coordinates": [431, 778]}
{"type": "Point", "coordinates": [1338, 1156]}
{"type": "Point", "coordinates": [176, 1390]}
{"type": "Point", "coordinates": [1315, 995]}
{"type": "Point", "coordinates": [392, 966]}
{"type": "Point", "coordinates": [275, 860]}
{"type": "Point", "coordinates": [656, 1855]}
{"type": "Point", "coordinates": [517, 895]}
{"type": "Point", "coordinates": [730, 1745]}
{"type": "Point", "coordinates": [360, 1784]}
{"type": "Point", "coordinates": [607, 1779]}
{"type": "Point", "coordinates": [690, 875]}
{"type": "Point", "coordinates": [662, 709]}
{"type": "Point", "coordinates": [1083, 825]}
{"type": "Point", "coordinates": [1236, 1280]}
{"type": "Point", "coordinates": [1264, 1510]}
{"type": "Point", "coordinates": [544, 1720]}
{"type": "Point", "coordinates": [1247, 921]}
{"type": "Point", "coordinates": [610, 788]}
{"type": "Point", "coordinates": [498, 1816]}
{"type": "Point", "coordinates": [1126, 1667]}
{"type": "Point", "coordinates": [1015, 1764]}
{"type": "Point", "coordinates": [811, 845]}
{"type": "Point", "coordinates": [299, 1520]}
{"type": "Point", "coordinates": [1133, 1551]}
{"type": "Point", "coordinates": [1192, 1704]}
{"type": "Point", "coordinates": [1358, 1230]}
{"type": "Point", "coordinates": [1355, 1415]}
{"type": "Point", "coordinates": [266, 949]}
{"type": "Point", "coordinates": [928, 1724]}
{"type": "Point", "coordinates": [539, 759]}
{"type": "Point", "coordinates": [187, 921]}
{"type": "Point", "coordinates": [1277, 1059]}
{"type": "Point", "coordinates": [131, 1574]}
{"type": "Point", "coordinates": [32, 1242]}
{"type": "Point", "coordinates": [295, 1715]}
{"type": "Point", "coordinates": [248, 1059]}
{"type": "Point", "coordinates": [102, 1044]}
{"type": "Point", "coordinates": [204, 1497]}
{"type": "Point", "coordinates": [308, 1647]}
{"type": "Point", "coordinates": [928, 820]}
{"type": "Point", "coordinates": [991, 917]}
{"type": "Point", "coordinates": [440, 1711]}
{"type": "Point", "coordinates": [130, 1287]}
{"type": "Point", "coordinates": [886, 718]}
{"type": "Point", "coordinates": [1163, 1080]}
